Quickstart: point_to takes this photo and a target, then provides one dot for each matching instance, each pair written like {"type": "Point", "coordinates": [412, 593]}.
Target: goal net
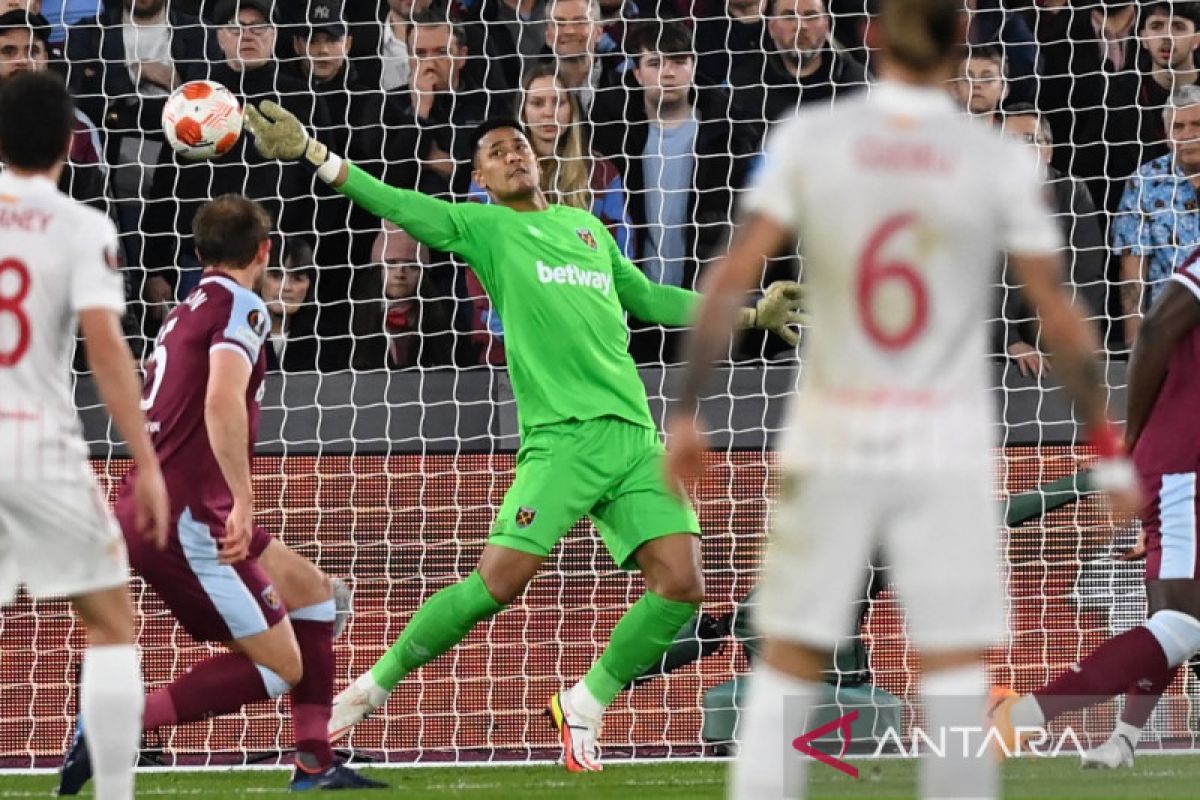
{"type": "Point", "coordinates": [389, 431]}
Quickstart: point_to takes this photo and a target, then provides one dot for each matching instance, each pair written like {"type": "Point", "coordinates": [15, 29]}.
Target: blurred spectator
{"type": "Point", "coordinates": [1017, 328]}
{"type": "Point", "coordinates": [586, 58]}
{"type": "Point", "coordinates": [802, 68]}
{"type": "Point", "coordinates": [122, 65]}
{"type": "Point", "coordinates": [391, 71]}
{"type": "Point", "coordinates": [1157, 227]}
{"type": "Point", "coordinates": [356, 113]}
{"type": "Point", "coordinates": [991, 24]}
{"type": "Point", "coordinates": [1089, 91]}
{"type": "Point", "coordinates": [409, 320]}
{"type": "Point", "coordinates": [25, 47]}
{"type": "Point", "coordinates": [442, 98]}
{"type": "Point", "coordinates": [737, 34]}
{"type": "Point", "coordinates": [1168, 35]}
{"type": "Point", "coordinates": [682, 156]}
{"type": "Point", "coordinates": [322, 48]}
{"type": "Point", "coordinates": [570, 173]}
{"type": "Point", "coordinates": [513, 34]}
{"type": "Point", "coordinates": [247, 35]}
{"type": "Point", "coordinates": [28, 6]}
{"type": "Point", "coordinates": [289, 291]}
{"type": "Point", "coordinates": [982, 84]}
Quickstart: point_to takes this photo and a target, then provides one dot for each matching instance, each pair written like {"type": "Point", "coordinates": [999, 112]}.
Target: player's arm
{"type": "Point", "coordinates": [228, 424]}
{"type": "Point", "coordinates": [650, 301]}
{"type": "Point", "coordinates": [279, 134]}
{"type": "Point", "coordinates": [1173, 316]}
{"type": "Point", "coordinates": [760, 237]}
{"type": "Point", "coordinates": [671, 305]}
{"type": "Point", "coordinates": [116, 379]}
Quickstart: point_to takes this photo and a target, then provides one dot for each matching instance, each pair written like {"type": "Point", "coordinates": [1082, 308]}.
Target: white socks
{"type": "Point", "coordinates": [955, 698]}
{"type": "Point", "coordinates": [1128, 731]}
{"type": "Point", "coordinates": [1027, 713]}
{"type": "Point", "coordinates": [111, 701]}
{"type": "Point", "coordinates": [776, 712]}
{"type": "Point", "coordinates": [584, 703]}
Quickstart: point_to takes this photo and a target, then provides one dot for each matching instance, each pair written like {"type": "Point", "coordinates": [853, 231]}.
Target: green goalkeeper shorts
{"type": "Point", "coordinates": [608, 469]}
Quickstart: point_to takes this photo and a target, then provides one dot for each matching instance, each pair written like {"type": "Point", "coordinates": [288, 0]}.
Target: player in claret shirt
{"type": "Point", "coordinates": [224, 578]}
{"type": "Point", "coordinates": [1162, 432]}
{"type": "Point", "coordinates": [588, 443]}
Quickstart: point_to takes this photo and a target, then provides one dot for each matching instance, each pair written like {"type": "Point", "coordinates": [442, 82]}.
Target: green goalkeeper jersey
{"type": "Point", "coordinates": [561, 286]}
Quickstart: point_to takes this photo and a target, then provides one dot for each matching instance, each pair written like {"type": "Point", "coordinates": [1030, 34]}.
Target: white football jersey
{"type": "Point", "coordinates": [902, 207]}
{"type": "Point", "coordinates": [57, 258]}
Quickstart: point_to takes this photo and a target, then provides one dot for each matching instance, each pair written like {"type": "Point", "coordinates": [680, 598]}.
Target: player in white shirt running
{"type": "Point", "coordinates": [59, 268]}
{"type": "Point", "coordinates": [902, 208]}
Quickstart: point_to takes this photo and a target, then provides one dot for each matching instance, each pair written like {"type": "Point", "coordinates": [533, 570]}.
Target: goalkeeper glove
{"type": "Point", "coordinates": [777, 311]}
{"type": "Point", "coordinates": [278, 134]}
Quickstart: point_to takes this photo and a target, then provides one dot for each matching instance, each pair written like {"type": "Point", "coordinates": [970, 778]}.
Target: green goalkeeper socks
{"type": "Point", "coordinates": [443, 621]}
{"type": "Point", "coordinates": [637, 643]}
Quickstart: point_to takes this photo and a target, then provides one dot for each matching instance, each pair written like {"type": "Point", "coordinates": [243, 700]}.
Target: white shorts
{"type": "Point", "coordinates": [936, 533]}
{"type": "Point", "coordinates": [59, 539]}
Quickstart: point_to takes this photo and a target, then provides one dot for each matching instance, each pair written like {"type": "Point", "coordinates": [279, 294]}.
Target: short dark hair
{"type": "Point", "coordinates": [229, 230]}
{"type": "Point", "coordinates": [433, 17]}
{"type": "Point", "coordinates": [37, 118]}
{"type": "Point", "coordinates": [989, 52]}
{"type": "Point", "coordinates": [486, 127]}
{"type": "Point", "coordinates": [1024, 109]}
{"type": "Point", "coordinates": [1186, 10]}
{"type": "Point", "coordinates": [922, 34]}
{"type": "Point", "coordinates": [19, 20]}
{"type": "Point", "coordinates": [668, 37]}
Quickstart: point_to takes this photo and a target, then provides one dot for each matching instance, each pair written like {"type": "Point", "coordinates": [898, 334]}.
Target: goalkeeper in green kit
{"type": "Point", "coordinates": [588, 443]}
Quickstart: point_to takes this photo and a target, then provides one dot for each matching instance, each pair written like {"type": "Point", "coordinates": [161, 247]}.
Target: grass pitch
{"type": "Point", "coordinates": [1152, 777]}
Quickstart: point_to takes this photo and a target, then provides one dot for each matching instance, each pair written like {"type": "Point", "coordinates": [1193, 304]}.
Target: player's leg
{"type": "Point", "coordinates": [1142, 696]}
{"type": "Point", "coordinates": [110, 689]}
{"type": "Point", "coordinates": [823, 534]}
{"type": "Point", "coordinates": [1149, 653]}
{"type": "Point", "coordinates": [439, 624]}
{"type": "Point", "coordinates": [235, 604]}
{"type": "Point", "coordinates": [62, 541]}
{"type": "Point", "coordinates": [674, 591]}
{"type": "Point", "coordinates": [554, 487]}
{"type": "Point", "coordinates": [308, 594]}
{"type": "Point", "coordinates": [942, 549]}
{"type": "Point", "coordinates": [1146, 656]}
{"type": "Point", "coordinates": [644, 526]}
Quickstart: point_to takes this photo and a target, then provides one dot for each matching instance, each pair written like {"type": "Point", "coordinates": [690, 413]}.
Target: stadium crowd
{"type": "Point", "coordinates": [650, 113]}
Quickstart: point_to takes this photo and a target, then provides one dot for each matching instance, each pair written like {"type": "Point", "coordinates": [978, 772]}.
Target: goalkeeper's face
{"type": "Point", "coordinates": [506, 166]}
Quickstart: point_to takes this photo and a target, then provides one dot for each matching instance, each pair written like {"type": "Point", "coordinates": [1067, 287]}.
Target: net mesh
{"type": "Point", "coordinates": [392, 437]}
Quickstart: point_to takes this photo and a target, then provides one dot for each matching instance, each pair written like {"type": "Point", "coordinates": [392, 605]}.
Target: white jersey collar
{"type": "Point", "coordinates": [896, 96]}
{"type": "Point", "coordinates": [27, 183]}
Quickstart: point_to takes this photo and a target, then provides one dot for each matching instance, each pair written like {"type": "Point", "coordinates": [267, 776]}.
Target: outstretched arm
{"type": "Point", "coordinates": [670, 305]}
{"type": "Point", "coordinates": [650, 301]}
{"type": "Point", "coordinates": [436, 223]}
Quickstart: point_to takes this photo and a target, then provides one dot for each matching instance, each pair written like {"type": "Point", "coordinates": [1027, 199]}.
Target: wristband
{"type": "Point", "coordinates": [1107, 441]}
{"type": "Point", "coordinates": [330, 170]}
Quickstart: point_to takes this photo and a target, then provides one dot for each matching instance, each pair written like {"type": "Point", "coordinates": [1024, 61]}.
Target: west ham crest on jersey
{"type": "Point", "coordinates": [588, 238]}
{"type": "Point", "coordinates": [271, 597]}
{"type": "Point", "coordinates": [525, 516]}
